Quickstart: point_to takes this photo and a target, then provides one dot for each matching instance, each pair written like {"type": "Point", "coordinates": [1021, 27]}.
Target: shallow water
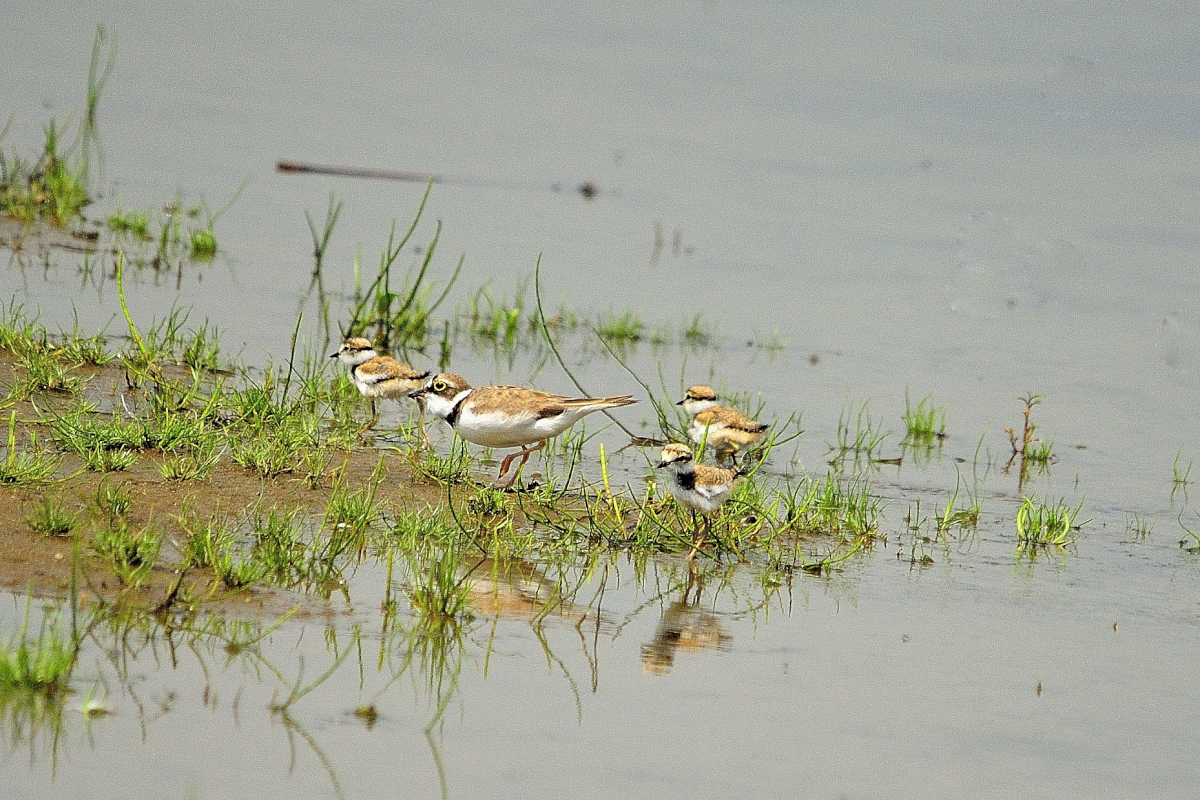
{"type": "Point", "coordinates": [972, 202]}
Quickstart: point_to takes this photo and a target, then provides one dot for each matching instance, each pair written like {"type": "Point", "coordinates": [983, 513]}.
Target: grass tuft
{"type": "Point", "coordinates": [1041, 524]}
{"type": "Point", "coordinates": [206, 539]}
{"type": "Point", "coordinates": [697, 333]}
{"type": "Point", "coordinates": [23, 467]}
{"type": "Point", "coordinates": [51, 188]}
{"type": "Point", "coordinates": [838, 506]}
{"type": "Point", "coordinates": [401, 318]}
{"type": "Point", "coordinates": [190, 465]}
{"type": "Point", "coordinates": [203, 244]}
{"type": "Point", "coordinates": [130, 553]}
{"type": "Point", "coordinates": [621, 329]}
{"type": "Point", "coordinates": [111, 502]}
{"type": "Point", "coordinates": [350, 513]}
{"type": "Point", "coordinates": [51, 519]}
{"type": "Point", "coordinates": [924, 421]}
{"type": "Point", "coordinates": [45, 371]}
{"type": "Point", "coordinates": [238, 570]}
{"type": "Point", "coordinates": [130, 223]}
{"type": "Point", "coordinates": [438, 592]}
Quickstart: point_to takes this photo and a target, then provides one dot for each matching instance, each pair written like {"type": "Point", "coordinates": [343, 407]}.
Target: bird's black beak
{"type": "Point", "coordinates": [681, 402]}
{"type": "Point", "coordinates": [419, 393]}
{"type": "Point", "coordinates": [660, 465]}
{"type": "Point", "coordinates": [334, 355]}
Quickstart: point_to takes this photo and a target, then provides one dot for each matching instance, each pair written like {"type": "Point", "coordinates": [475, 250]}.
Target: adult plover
{"type": "Point", "coordinates": [507, 416]}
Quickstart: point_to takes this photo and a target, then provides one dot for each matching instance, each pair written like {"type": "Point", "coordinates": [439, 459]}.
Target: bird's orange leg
{"type": "Point", "coordinates": [374, 418]}
{"type": "Point", "coordinates": [697, 543]}
{"type": "Point", "coordinates": [524, 453]}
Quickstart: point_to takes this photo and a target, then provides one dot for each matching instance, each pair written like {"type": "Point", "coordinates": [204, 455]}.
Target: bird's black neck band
{"type": "Point", "coordinates": [452, 417]}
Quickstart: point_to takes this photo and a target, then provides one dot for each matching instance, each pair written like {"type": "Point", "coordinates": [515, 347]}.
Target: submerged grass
{"type": "Point", "coordinates": [858, 436]}
{"type": "Point", "coordinates": [42, 663]}
{"type": "Point", "coordinates": [497, 319]}
{"type": "Point", "coordinates": [1137, 527]}
{"type": "Point", "coordinates": [54, 187]}
{"type": "Point", "coordinates": [961, 516]}
{"type": "Point", "coordinates": [321, 240]}
{"type": "Point", "coordinates": [1181, 476]}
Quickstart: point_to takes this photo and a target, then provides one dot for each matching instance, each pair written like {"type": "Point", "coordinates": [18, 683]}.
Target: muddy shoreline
{"type": "Point", "coordinates": [31, 561]}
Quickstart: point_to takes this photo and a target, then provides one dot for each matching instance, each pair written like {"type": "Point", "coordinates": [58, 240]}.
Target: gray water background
{"type": "Point", "coordinates": [960, 199]}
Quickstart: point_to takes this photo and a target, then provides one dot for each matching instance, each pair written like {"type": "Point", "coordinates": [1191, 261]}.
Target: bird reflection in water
{"type": "Point", "coordinates": [686, 626]}
{"type": "Point", "coordinates": [513, 589]}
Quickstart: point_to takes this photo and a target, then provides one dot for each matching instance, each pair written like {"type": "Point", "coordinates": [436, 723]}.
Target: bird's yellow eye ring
{"type": "Point", "coordinates": [439, 386]}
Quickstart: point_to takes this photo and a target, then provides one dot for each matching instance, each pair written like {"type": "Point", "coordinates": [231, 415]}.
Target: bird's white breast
{"type": "Point", "coordinates": [503, 429]}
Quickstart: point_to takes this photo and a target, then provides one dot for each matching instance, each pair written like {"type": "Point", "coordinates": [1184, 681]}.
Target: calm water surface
{"type": "Point", "coordinates": [952, 199]}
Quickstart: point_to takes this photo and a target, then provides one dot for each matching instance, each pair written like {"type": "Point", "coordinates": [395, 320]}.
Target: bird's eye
{"type": "Point", "coordinates": [439, 386]}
